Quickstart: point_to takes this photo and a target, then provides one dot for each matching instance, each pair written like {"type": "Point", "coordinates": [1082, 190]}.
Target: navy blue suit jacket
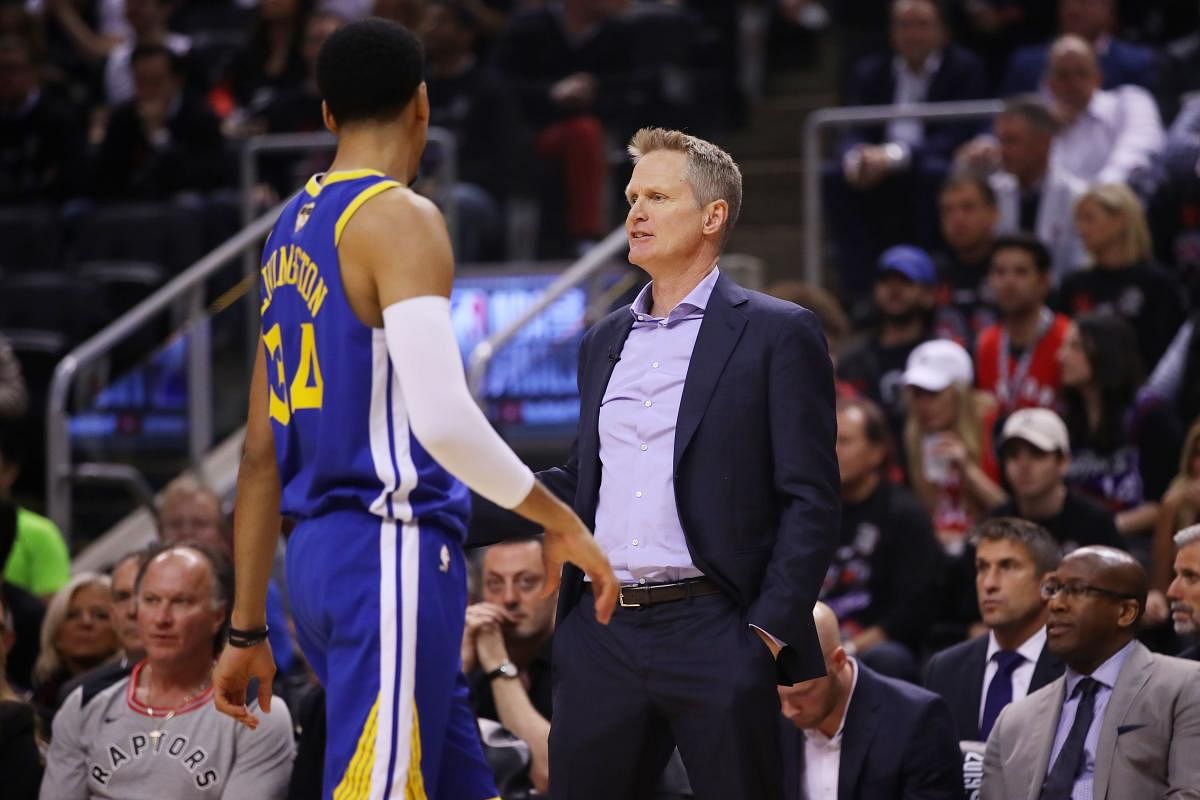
{"type": "Point", "coordinates": [961, 76]}
{"type": "Point", "coordinates": [956, 674]}
{"type": "Point", "coordinates": [1123, 62]}
{"type": "Point", "coordinates": [756, 476]}
{"type": "Point", "coordinates": [898, 743]}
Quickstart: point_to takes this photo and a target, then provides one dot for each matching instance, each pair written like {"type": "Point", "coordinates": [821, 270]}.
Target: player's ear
{"type": "Point", "coordinates": [422, 102]}
{"type": "Point", "coordinates": [330, 122]}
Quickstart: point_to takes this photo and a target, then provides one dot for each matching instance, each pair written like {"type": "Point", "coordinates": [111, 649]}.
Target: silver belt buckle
{"type": "Point", "coordinates": [621, 598]}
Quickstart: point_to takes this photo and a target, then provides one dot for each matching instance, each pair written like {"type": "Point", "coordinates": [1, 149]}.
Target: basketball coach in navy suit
{"type": "Point", "coordinates": [705, 464]}
{"type": "Point", "coordinates": [859, 735]}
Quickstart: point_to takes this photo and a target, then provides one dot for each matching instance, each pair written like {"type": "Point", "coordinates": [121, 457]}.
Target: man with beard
{"type": "Point", "coordinates": [1122, 722]}
{"type": "Point", "coordinates": [903, 300]}
{"type": "Point", "coordinates": [1184, 592]}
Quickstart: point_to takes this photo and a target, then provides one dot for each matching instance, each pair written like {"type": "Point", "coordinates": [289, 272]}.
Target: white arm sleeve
{"type": "Point", "coordinates": [441, 413]}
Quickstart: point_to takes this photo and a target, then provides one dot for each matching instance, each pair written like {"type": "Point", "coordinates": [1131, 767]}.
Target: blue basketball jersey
{"type": "Point", "coordinates": [342, 437]}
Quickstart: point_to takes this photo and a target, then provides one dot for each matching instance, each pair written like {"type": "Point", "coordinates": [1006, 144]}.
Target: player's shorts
{"type": "Point", "coordinates": [379, 607]}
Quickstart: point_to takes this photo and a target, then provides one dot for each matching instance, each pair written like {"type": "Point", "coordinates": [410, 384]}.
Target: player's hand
{"type": "Point", "coordinates": [233, 673]}
{"type": "Point", "coordinates": [574, 543]}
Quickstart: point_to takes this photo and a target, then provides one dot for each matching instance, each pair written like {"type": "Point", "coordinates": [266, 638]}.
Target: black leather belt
{"type": "Point", "coordinates": [635, 596]}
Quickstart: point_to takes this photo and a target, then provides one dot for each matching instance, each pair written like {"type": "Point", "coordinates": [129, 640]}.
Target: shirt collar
{"type": "Point", "coordinates": [1031, 648]}
{"type": "Point", "coordinates": [696, 300]}
{"type": "Point", "coordinates": [931, 65]}
{"type": "Point", "coordinates": [819, 738]}
{"type": "Point", "coordinates": [1106, 674]}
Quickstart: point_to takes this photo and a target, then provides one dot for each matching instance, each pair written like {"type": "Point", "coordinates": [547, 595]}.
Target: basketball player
{"type": "Point", "coordinates": [361, 428]}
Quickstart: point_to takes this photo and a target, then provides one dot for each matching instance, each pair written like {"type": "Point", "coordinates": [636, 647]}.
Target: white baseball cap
{"type": "Point", "coordinates": [1041, 427]}
{"type": "Point", "coordinates": [936, 364]}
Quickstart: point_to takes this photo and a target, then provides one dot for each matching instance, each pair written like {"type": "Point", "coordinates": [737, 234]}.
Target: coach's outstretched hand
{"type": "Point", "coordinates": [236, 667]}
{"type": "Point", "coordinates": [568, 539]}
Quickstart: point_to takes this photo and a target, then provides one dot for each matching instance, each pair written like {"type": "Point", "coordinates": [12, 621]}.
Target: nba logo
{"type": "Point", "coordinates": [302, 216]}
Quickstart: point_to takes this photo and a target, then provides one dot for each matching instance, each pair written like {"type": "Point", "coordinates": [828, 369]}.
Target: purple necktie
{"type": "Point", "coordinates": [1000, 690]}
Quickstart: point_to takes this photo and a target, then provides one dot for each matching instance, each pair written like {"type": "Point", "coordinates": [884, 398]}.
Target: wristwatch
{"type": "Point", "coordinates": [507, 669]}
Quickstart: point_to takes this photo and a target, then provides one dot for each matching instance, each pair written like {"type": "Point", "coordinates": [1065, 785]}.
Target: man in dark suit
{"type": "Point", "coordinates": [705, 464]}
{"type": "Point", "coordinates": [858, 734]}
{"type": "Point", "coordinates": [1184, 592]}
{"type": "Point", "coordinates": [883, 168]}
{"type": "Point", "coordinates": [979, 677]}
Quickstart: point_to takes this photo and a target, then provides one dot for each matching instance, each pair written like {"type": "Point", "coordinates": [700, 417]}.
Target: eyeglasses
{"type": "Point", "coordinates": [1075, 590]}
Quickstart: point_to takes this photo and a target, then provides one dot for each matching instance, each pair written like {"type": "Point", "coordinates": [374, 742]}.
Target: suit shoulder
{"type": "Point", "coordinates": [957, 56]}
{"type": "Point", "coordinates": [779, 311]}
{"type": "Point", "coordinates": [1182, 670]}
{"type": "Point", "coordinates": [958, 652]}
{"type": "Point", "coordinates": [904, 695]}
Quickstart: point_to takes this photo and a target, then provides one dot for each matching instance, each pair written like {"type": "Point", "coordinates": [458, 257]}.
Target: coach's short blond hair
{"type": "Point", "coordinates": [711, 172]}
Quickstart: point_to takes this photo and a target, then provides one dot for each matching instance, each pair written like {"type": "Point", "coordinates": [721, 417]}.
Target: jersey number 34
{"type": "Point", "coordinates": [307, 388]}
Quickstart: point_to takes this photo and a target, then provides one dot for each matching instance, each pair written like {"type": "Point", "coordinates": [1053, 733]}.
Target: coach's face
{"type": "Point", "coordinates": [665, 223]}
{"type": "Point", "coordinates": [1184, 592]}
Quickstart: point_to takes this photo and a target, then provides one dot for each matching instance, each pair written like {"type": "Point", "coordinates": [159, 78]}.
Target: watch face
{"type": "Point", "coordinates": [508, 669]}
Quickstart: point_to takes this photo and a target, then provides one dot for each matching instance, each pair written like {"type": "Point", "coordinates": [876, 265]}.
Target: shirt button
{"type": "Point", "coordinates": [654, 364]}
{"type": "Point", "coordinates": [635, 542]}
{"type": "Point", "coordinates": [641, 318]}
{"type": "Point", "coordinates": [647, 404]}
{"type": "Point", "coordinates": [645, 446]}
{"type": "Point", "coordinates": [637, 493]}
{"type": "Point", "coordinates": [642, 581]}
{"type": "Point", "coordinates": [662, 323]}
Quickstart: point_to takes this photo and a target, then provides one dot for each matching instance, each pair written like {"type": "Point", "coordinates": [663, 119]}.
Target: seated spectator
{"type": "Point", "coordinates": [1184, 591]}
{"type": "Point", "coordinates": [1124, 280]}
{"type": "Point", "coordinates": [1180, 507]}
{"type": "Point", "coordinates": [1095, 22]}
{"type": "Point", "coordinates": [1071, 737]}
{"type": "Point", "coordinates": [567, 64]}
{"type": "Point", "coordinates": [191, 513]}
{"type": "Point", "coordinates": [904, 302]}
{"type": "Point", "coordinates": [882, 581]}
{"type": "Point", "coordinates": [1178, 74]}
{"type": "Point", "coordinates": [1035, 455]}
{"type": "Point", "coordinates": [14, 396]}
{"type": "Point", "coordinates": [1123, 455]}
{"type": "Point", "coordinates": [1107, 135]}
{"type": "Point", "coordinates": [1016, 360]}
{"type": "Point", "coordinates": [947, 439]}
{"type": "Point", "coordinates": [1032, 194]}
{"type": "Point", "coordinates": [967, 207]}
{"type": "Point", "coordinates": [157, 732]}
{"type": "Point", "coordinates": [20, 759]}
{"type": "Point", "coordinates": [124, 611]}
{"type": "Point", "coordinates": [471, 101]}
{"type": "Point", "coordinates": [77, 635]}
{"type": "Point", "coordinates": [148, 25]}
{"type": "Point", "coordinates": [979, 677]}
{"type": "Point", "coordinates": [993, 29]}
{"type": "Point", "coordinates": [38, 561]}
{"type": "Point", "coordinates": [506, 650]}
{"type": "Point", "coordinates": [858, 735]}
{"type": "Point", "coordinates": [272, 59]}
{"type": "Point", "coordinates": [162, 142]}
{"type": "Point", "coordinates": [876, 197]}
{"type": "Point", "coordinates": [41, 135]}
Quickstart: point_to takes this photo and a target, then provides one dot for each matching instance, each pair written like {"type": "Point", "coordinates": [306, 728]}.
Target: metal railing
{"type": "Point", "coordinates": [591, 263]}
{"type": "Point", "coordinates": [822, 120]}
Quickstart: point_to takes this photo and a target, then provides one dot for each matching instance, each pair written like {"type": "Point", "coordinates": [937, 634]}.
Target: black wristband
{"type": "Point", "coordinates": [240, 638]}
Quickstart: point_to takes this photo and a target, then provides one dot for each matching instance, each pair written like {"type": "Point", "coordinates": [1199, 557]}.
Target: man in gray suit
{"type": "Point", "coordinates": [1122, 723]}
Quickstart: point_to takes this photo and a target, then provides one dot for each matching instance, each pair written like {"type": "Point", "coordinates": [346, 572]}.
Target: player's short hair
{"type": "Point", "coordinates": [1026, 242]}
{"type": "Point", "coordinates": [369, 70]}
{"type": "Point", "coordinates": [711, 172]}
{"type": "Point", "coordinates": [1037, 541]}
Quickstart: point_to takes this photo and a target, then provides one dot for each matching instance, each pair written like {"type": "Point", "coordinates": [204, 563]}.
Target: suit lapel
{"type": "Point", "coordinates": [861, 721]}
{"type": "Point", "coordinates": [972, 690]}
{"type": "Point", "coordinates": [1135, 673]}
{"type": "Point", "coordinates": [719, 332]}
{"type": "Point", "coordinates": [606, 350]}
{"type": "Point", "coordinates": [1038, 738]}
{"type": "Point", "coordinates": [1045, 670]}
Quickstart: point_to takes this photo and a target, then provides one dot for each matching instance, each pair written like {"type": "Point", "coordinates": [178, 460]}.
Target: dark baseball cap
{"type": "Point", "coordinates": [911, 262]}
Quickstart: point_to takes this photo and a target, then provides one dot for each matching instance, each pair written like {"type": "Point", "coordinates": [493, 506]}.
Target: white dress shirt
{"type": "Point", "coordinates": [823, 754]}
{"type": "Point", "coordinates": [911, 87]}
{"type": "Point", "coordinates": [1106, 675]}
{"type": "Point", "coordinates": [1022, 676]}
{"type": "Point", "coordinates": [1119, 133]}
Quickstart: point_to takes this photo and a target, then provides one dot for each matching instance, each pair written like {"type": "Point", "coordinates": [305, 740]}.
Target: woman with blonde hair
{"type": "Point", "coordinates": [1123, 280]}
{"type": "Point", "coordinates": [1180, 507]}
{"type": "Point", "coordinates": [77, 634]}
{"type": "Point", "coordinates": [947, 439]}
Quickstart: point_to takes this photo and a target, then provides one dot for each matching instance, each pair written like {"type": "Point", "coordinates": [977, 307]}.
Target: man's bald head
{"type": "Point", "coordinates": [828, 630]}
{"type": "Point", "coordinates": [1116, 570]}
{"type": "Point", "coordinates": [1072, 75]}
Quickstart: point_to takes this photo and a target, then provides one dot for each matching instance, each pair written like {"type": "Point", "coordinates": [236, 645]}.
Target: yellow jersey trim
{"type": "Point", "coordinates": [357, 203]}
{"type": "Point", "coordinates": [313, 187]}
{"type": "Point", "coordinates": [356, 781]}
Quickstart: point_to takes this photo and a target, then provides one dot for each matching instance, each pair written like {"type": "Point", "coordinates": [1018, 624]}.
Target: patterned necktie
{"type": "Point", "coordinates": [1000, 690]}
{"type": "Point", "coordinates": [1061, 779]}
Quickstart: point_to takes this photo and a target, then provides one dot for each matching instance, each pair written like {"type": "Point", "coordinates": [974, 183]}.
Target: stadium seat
{"type": "Point", "coordinates": [166, 234]}
{"type": "Point", "coordinates": [32, 237]}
